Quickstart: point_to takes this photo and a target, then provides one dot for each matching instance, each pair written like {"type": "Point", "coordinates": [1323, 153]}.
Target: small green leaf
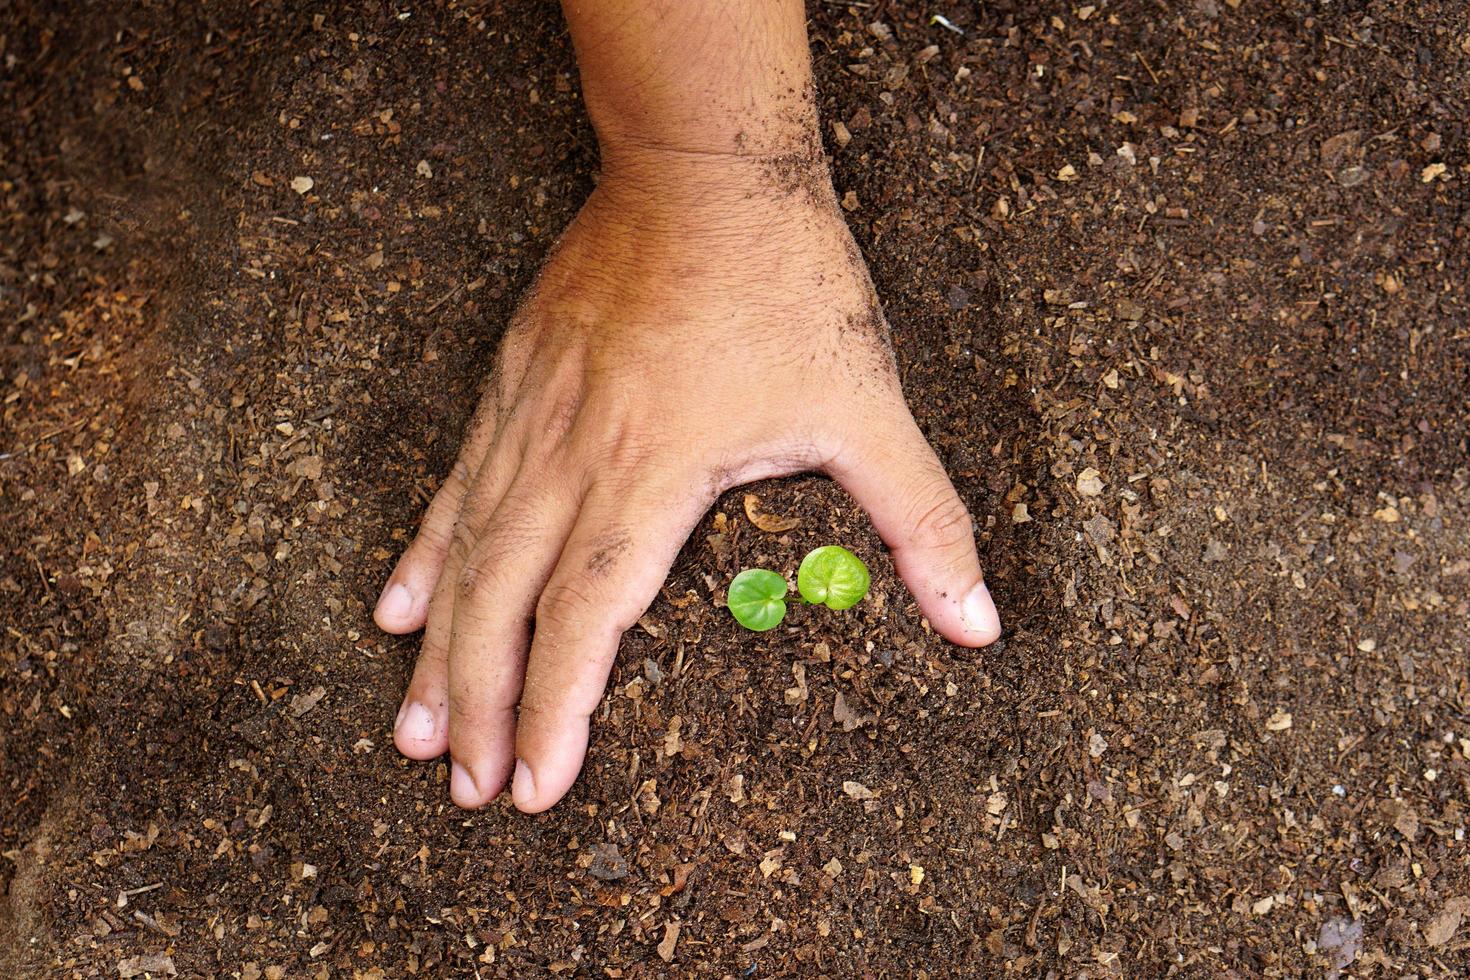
{"type": "Point", "coordinates": [757, 599]}
{"type": "Point", "coordinates": [833, 577]}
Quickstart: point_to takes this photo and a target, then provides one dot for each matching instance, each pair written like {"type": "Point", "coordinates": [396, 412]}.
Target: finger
{"type": "Point", "coordinates": [895, 476]}
{"type": "Point", "coordinates": [495, 597]}
{"type": "Point", "coordinates": [403, 605]}
{"type": "Point", "coordinates": [422, 728]}
{"type": "Point", "coordinates": [610, 571]}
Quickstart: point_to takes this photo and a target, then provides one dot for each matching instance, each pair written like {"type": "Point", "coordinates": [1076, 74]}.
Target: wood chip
{"type": "Point", "coordinates": [137, 966]}
{"type": "Point", "coordinates": [670, 940]}
{"type": "Point", "coordinates": [843, 714]}
{"type": "Point", "coordinates": [798, 693]}
{"type": "Point", "coordinates": [607, 863]}
{"type": "Point", "coordinates": [302, 703]}
{"type": "Point", "coordinates": [1442, 928]}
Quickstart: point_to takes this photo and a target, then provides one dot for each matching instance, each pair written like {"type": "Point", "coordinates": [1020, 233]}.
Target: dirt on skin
{"type": "Point", "coordinates": [1178, 293]}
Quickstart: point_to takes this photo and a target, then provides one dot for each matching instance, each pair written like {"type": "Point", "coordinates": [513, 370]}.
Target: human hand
{"type": "Point", "coordinates": [705, 321]}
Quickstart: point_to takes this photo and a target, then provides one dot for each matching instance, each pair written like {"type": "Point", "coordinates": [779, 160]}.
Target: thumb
{"type": "Point", "coordinates": [893, 474]}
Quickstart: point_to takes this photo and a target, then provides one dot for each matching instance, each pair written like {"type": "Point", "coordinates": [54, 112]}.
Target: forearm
{"type": "Point", "coordinates": [695, 76]}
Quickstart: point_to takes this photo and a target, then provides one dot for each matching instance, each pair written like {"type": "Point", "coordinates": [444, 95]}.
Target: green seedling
{"type": "Point", "coordinates": [757, 599]}
{"type": "Point", "coordinates": [831, 576]}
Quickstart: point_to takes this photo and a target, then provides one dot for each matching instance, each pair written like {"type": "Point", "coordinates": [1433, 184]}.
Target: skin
{"type": "Point", "coordinates": [705, 321]}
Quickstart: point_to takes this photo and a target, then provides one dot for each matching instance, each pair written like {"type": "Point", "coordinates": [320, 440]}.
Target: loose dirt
{"type": "Point", "coordinates": [1178, 292]}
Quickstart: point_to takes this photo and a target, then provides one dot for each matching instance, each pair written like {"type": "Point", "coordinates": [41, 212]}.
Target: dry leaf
{"type": "Point", "coordinates": [770, 523]}
{"type": "Point", "coordinates": [302, 184]}
{"type": "Point", "coordinates": [1279, 722]}
{"type": "Point", "coordinates": [858, 791]}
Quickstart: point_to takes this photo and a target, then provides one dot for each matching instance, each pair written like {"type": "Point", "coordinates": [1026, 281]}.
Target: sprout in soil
{"type": "Point", "coordinates": [757, 599]}
{"type": "Point", "coordinates": [831, 576]}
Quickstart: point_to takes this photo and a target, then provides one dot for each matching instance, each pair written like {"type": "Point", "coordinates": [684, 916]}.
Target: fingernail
{"type": "Point", "coordinates": [461, 784]}
{"type": "Point", "coordinates": [978, 611]}
{"type": "Point", "coordinates": [523, 785]}
{"type": "Point", "coordinates": [415, 723]}
{"type": "Point", "coordinates": [396, 602]}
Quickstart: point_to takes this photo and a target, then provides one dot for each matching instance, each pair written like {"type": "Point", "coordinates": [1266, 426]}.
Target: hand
{"type": "Point", "coordinates": [705, 321]}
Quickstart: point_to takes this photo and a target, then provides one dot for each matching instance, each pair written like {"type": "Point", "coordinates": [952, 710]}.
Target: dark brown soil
{"type": "Point", "coordinates": [1180, 283]}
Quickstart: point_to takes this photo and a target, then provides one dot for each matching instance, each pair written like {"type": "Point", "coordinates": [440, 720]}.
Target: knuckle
{"type": "Point", "coordinates": [607, 550]}
{"type": "Point", "coordinates": [472, 702]}
{"type": "Point", "coordinates": [469, 582]}
{"type": "Point", "coordinates": [617, 453]}
{"type": "Point", "coordinates": [515, 530]}
{"type": "Point", "coordinates": [563, 414]}
{"type": "Point", "coordinates": [943, 521]}
{"type": "Point", "coordinates": [457, 483]}
{"type": "Point", "coordinates": [476, 577]}
{"type": "Point", "coordinates": [461, 542]}
{"type": "Point", "coordinates": [540, 696]}
{"type": "Point", "coordinates": [563, 603]}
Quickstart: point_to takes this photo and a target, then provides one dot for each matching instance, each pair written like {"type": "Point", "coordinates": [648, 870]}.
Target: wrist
{"type": "Point", "coordinates": [689, 176]}
{"type": "Point", "coordinates": [770, 126]}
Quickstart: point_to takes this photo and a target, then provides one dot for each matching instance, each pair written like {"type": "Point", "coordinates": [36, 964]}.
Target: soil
{"type": "Point", "coordinates": [1178, 291]}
